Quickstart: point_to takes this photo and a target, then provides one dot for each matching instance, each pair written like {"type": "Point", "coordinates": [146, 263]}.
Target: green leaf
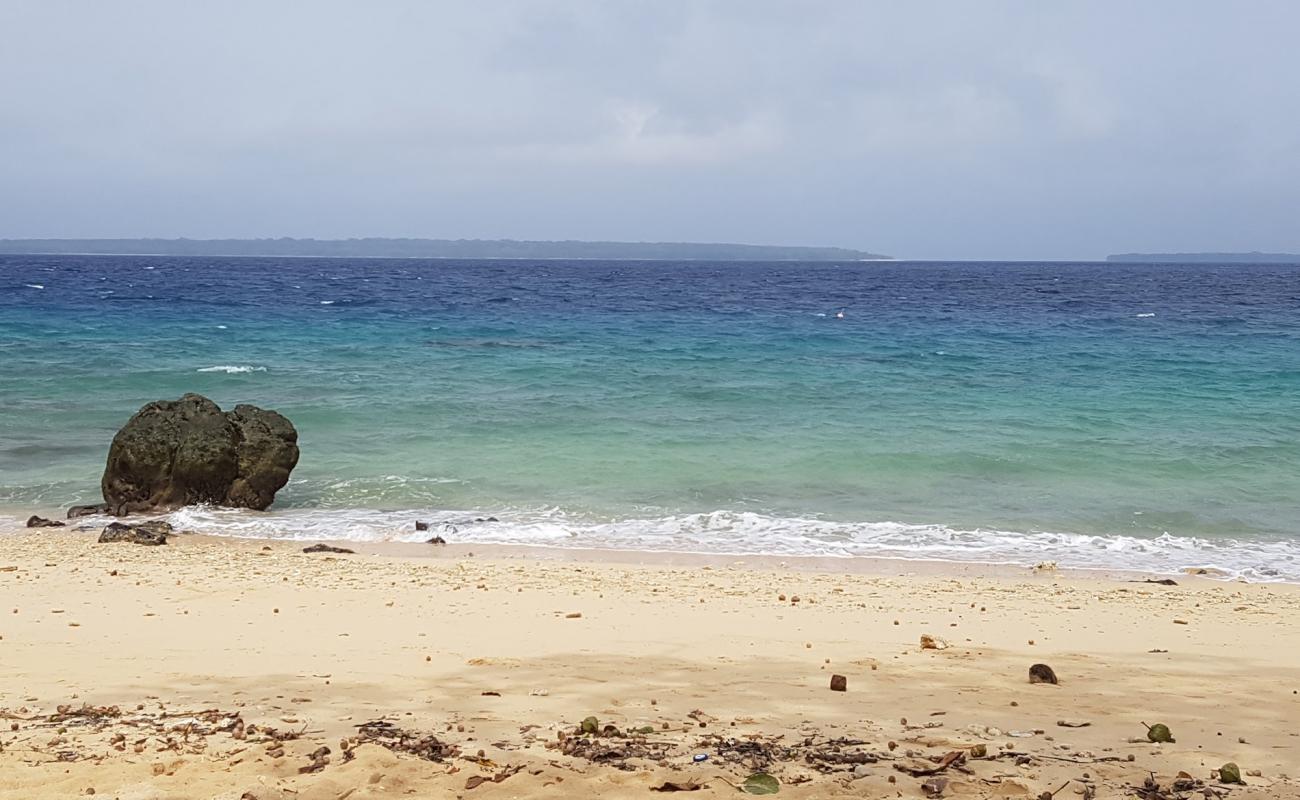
{"type": "Point", "coordinates": [761, 783]}
{"type": "Point", "coordinates": [590, 725]}
{"type": "Point", "coordinates": [1230, 773]}
{"type": "Point", "coordinates": [1159, 733]}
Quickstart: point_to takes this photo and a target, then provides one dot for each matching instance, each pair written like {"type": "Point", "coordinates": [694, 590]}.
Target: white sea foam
{"type": "Point", "coordinates": [231, 369]}
{"type": "Point", "coordinates": [327, 302]}
{"type": "Point", "coordinates": [34, 285]}
{"type": "Point", "coordinates": [744, 533]}
{"type": "Point", "coordinates": [1148, 314]}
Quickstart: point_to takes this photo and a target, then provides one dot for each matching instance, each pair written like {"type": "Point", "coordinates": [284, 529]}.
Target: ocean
{"type": "Point", "coordinates": [1111, 416]}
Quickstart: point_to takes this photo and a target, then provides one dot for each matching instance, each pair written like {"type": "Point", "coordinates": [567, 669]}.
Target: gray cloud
{"type": "Point", "coordinates": [993, 129]}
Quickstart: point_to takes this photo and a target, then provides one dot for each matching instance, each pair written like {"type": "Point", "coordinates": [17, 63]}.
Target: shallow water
{"type": "Point", "coordinates": [1110, 415]}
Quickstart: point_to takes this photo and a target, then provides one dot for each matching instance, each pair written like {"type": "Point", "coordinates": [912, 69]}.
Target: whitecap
{"type": "Point", "coordinates": [327, 302]}
{"type": "Point", "coordinates": [231, 370]}
{"type": "Point", "coordinates": [221, 327]}
{"type": "Point", "coordinates": [34, 285]}
{"type": "Point", "coordinates": [751, 534]}
{"type": "Point", "coordinates": [1146, 315]}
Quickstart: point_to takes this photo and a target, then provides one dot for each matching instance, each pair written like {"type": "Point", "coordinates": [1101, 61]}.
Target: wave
{"type": "Point", "coordinates": [752, 534]}
{"type": "Point", "coordinates": [231, 370]}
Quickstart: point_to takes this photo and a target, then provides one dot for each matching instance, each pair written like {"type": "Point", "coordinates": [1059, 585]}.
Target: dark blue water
{"type": "Point", "coordinates": [1098, 414]}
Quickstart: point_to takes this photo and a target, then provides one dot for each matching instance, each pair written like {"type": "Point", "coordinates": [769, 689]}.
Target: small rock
{"type": "Point", "coordinates": [153, 532]}
{"type": "Point", "coordinates": [326, 548]}
{"type": "Point", "coordinates": [437, 540]}
{"type": "Point", "coordinates": [1041, 673]}
{"type": "Point", "coordinates": [929, 642]}
{"type": "Point", "coordinates": [421, 526]}
{"type": "Point", "coordinates": [42, 522]}
{"type": "Point", "coordinates": [88, 511]}
{"type": "Point", "coordinates": [839, 683]}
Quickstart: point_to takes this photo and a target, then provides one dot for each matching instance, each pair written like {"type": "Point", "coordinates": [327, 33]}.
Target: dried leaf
{"type": "Point", "coordinates": [670, 786]}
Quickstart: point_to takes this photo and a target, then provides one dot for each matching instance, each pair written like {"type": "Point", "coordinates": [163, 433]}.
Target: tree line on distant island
{"type": "Point", "coordinates": [1206, 258]}
{"type": "Point", "coordinates": [435, 248]}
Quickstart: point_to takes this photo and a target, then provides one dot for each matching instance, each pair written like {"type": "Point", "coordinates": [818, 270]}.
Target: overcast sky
{"type": "Point", "coordinates": [935, 130]}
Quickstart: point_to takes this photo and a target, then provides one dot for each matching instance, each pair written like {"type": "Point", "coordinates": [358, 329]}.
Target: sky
{"type": "Point", "coordinates": [1017, 130]}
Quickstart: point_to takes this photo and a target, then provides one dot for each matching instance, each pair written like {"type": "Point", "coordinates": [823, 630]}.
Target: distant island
{"type": "Point", "coordinates": [1202, 258]}
{"type": "Point", "coordinates": [434, 248]}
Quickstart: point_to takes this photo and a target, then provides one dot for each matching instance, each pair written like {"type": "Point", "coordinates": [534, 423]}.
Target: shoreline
{"type": "Point", "coordinates": [508, 650]}
{"type": "Point", "coordinates": [12, 521]}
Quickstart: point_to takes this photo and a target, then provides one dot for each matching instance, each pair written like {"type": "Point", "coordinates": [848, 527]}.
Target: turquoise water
{"type": "Point", "coordinates": [1117, 415]}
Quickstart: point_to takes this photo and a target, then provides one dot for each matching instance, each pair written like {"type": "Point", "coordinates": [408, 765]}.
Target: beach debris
{"type": "Point", "coordinates": [1179, 789]}
{"type": "Point", "coordinates": [934, 787]}
{"type": "Point", "coordinates": [839, 683]}
{"type": "Point", "coordinates": [979, 751]}
{"type": "Point", "coordinates": [573, 615]}
{"type": "Point", "coordinates": [700, 758]}
{"type": "Point", "coordinates": [1230, 773]}
{"type": "Point", "coordinates": [436, 540]}
{"type": "Point", "coordinates": [1041, 673]}
{"type": "Point", "coordinates": [319, 759]}
{"type": "Point", "coordinates": [1072, 723]}
{"type": "Point", "coordinates": [476, 781]}
{"type": "Point", "coordinates": [1158, 733]}
{"type": "Point", "coordinates": [153, 532]}
{"type": "Point", "coordinates": [929, 642]}
{"type": "Point", "coordinates": [1045, 566]}
{"type": "Point", "coordinates": [590, 725]}
{"type": "Point", "coordinates": [760, 783]}
{"type": "Point", "coordinates": [421, 526]}
{"type": "Point", "coordinates": [919, 769]}
{"type": "Point", "coordinates": [42, 522]}
{"type": "Point", "coordinates": [387, 735]}
{"type": "Point", "coordinates": [1159, 582]}
{"type": "Point", "coordinates": [327, 548]}
{"type": "Point", "coordinates": [673, 786]}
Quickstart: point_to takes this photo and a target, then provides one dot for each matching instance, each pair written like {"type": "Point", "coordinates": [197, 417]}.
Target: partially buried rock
{"type": "Point", "coordinates": [1041, 673]}
{"type": "Point", "coordinates": [154, 532]}
{"type": "Point", "coordinates": [437, 540]}
{"type": "Point", "coordinates": [87, 511]}
{"type": "Point", "coordinates": [326, 548]}
{"type": "Point", "coordinates": [42, 522]}
{"type": "Point", "coordinates": [175, 453]}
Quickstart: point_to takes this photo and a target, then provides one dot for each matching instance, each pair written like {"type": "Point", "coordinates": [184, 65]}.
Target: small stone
{"type": "Point", "coordinates": [1041, 673]}
{"type": "Point", "coordinates": [839, 683]}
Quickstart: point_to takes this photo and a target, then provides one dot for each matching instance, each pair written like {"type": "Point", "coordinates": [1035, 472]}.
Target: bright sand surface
{"type": "Point", "coordinates": [695, 650]}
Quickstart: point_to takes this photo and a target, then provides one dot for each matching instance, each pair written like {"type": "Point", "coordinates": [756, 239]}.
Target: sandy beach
{"type": "Point", "coordinates": [216, 668]}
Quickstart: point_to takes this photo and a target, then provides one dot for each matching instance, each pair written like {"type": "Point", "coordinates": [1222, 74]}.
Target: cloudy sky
{"type": "Point", "coordinates": [920, 129]}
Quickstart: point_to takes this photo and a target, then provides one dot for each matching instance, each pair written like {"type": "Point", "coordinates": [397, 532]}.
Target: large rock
{"type": "Point", "coordinates": [175, 453]}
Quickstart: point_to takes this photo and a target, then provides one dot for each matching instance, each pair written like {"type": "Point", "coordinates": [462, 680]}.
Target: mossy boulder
{"type": "Point", "coordinates": [175, 453]}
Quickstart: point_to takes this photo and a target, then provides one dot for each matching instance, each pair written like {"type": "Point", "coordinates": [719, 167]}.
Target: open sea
{"type": "Point", "coordinates": [1098, 415]}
